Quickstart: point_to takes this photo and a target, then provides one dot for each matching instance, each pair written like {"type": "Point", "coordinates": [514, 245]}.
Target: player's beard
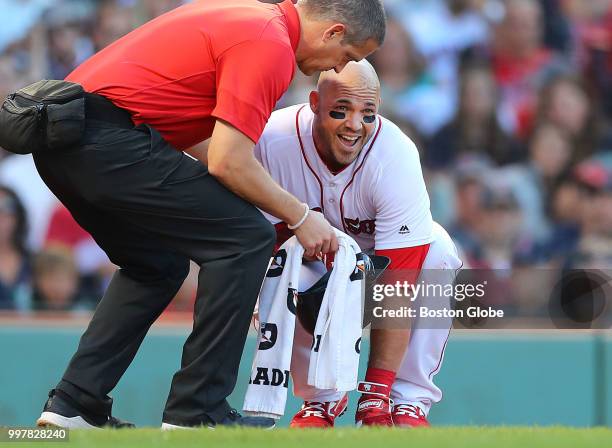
{"type": "Point", "coordinates": [342, 157]}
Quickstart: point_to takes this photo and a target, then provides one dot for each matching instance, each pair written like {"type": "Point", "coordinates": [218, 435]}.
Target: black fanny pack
{"type": "Point", "coordinates": [43, 116]}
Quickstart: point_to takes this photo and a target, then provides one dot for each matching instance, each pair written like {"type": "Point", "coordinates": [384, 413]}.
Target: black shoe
{"type": "Point", "coordinates": [61, 412]}
{"type": "Point", "coordinates": [232, 419]}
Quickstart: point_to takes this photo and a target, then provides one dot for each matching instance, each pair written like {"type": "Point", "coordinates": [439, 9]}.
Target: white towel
{"type": "Point", "coordinates": [334, 357]}
{"type": "Point", "coordinates": [267, 391]}
{"type": "Point", "coordinates": [335, 362]}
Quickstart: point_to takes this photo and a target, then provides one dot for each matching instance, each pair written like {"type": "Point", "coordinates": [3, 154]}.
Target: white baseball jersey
{"type": "Point", "coordinates": [380, 199]}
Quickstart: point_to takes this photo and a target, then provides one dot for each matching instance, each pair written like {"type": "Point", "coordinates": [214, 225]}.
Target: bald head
{"type": "Point", "coordinates": [356, 76]}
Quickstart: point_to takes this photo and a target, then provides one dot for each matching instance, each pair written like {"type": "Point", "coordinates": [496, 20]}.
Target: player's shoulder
{"type": "Point", "coordinates": [281, 128]}
{"type": "Point", "coordinates": [393, 147]}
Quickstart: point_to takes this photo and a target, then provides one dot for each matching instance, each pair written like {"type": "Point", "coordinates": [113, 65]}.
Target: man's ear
{"type": "Point", "coordinates": [336, 31]}
{"type": "Point", "coordinates": [314, 102]}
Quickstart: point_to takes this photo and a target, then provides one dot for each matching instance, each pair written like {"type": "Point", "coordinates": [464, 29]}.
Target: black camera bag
{"type": "Point", "coordinates": [43, 116]}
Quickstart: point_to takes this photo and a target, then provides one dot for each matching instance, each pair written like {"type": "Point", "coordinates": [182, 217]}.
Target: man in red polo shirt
{"type": "Point", "coordinates": [210, 71]}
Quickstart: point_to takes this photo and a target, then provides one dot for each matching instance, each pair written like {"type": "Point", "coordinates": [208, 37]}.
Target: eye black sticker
{"type": "Point", "coordinates": [369, 119]}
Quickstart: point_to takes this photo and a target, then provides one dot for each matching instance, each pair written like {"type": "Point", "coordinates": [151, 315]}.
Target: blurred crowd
{"type": "Point", "coordinates": [508, 101]}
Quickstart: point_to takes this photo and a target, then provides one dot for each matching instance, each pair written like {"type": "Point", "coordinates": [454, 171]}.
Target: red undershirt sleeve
{"type": "Point", "coordinates": [408, 260]}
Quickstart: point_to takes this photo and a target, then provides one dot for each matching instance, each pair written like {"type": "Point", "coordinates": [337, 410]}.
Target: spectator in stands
{"type": "Point", "coordinates": [550, 154]}
{"type": "Point", "coordinates": [565, 103]}
{"type": "Point", "coordinates": [488, 231]}
{"type": "Point", "coordinates": [521, 63]}
{"type": "Point", "coordinates": [441, 31]}
{"type": "Point", "coordinates": [409, 92]}
{"type": "Point", "coordinates": [469, 190]}
{"type": "Point", "coordinates": [596, 223]}
{"type": "Point", "coordinates": [56, 281]}
{"type": "Point", "coordinates": [66, 50]}
{"type": "Point", "coordinates": [9, 77]}
{"type": "Point", "coordinates": [19, 173]}
{"type": "Point", "coordinates": [499, 226]}
{"type": "Point", "coordinates": [475, 129]}
{"type": "Point", "coordinates": [566, 207]}
{"type": "Point", "coordinates": [581, 216]}
{"type": "Point", "coordinates": [113, 21]}
{"type": "Point", "coordinates": [14, 259]}
{"type": "Point", "coordinates": [593, 248]}
{"type": "Point", "coordinates": [591, 27]}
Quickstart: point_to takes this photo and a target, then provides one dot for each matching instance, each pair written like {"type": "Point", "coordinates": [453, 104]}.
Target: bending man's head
{"type": "Point", "coordinates": [335, 32]}
{"type": "Point", "coordinates": [345, 105]}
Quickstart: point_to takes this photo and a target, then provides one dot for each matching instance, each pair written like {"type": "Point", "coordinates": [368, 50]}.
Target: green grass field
{"type": "Point", "coordinates": [455, 437]}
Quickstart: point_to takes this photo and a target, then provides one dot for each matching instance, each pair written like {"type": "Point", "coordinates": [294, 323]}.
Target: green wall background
{"type": "Point", "coordinates": [559, 378]}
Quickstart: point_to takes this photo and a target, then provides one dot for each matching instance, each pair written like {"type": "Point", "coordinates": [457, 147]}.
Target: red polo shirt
{"type": "Point", "coordinates": [207, 60]}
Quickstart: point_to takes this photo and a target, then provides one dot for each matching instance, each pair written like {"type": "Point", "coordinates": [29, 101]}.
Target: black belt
{"type": "Point", "coordinates": [100, 108]}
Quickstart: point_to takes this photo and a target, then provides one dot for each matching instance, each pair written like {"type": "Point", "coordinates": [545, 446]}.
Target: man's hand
{"type": "Point", "coordinates": [316, 235]}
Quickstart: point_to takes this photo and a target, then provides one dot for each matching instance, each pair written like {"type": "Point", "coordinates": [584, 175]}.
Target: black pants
{"type": "Point", "coordinates": [152, 209]}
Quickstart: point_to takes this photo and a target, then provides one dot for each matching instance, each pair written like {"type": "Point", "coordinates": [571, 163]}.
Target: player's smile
{"type": "Point", "coordinates": [349, 141]}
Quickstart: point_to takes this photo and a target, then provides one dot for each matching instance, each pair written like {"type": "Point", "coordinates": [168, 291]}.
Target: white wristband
{"type": "Point", "coordinates": [301, 221]}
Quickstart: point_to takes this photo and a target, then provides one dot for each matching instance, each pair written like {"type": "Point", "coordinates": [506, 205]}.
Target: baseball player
{"type": "Point", "coordinates": [340, 157]}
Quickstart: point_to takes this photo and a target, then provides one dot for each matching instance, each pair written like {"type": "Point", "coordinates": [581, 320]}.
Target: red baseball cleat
{"type": "Point", "coordinates": [409, 416]}
{"type": "Point", "coordinates": [374, 406]}
{"type": "Point", "coordinates": [315, 414]}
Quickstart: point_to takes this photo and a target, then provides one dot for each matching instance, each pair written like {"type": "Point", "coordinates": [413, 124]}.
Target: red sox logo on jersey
{"type": "Point", "coordinates": [357, 226]}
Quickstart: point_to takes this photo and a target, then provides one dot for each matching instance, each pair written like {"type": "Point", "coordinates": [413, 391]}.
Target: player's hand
{"type": "Point", "coordinates": [316, 235]}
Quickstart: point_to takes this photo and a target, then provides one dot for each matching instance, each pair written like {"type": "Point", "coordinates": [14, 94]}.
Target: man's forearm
{"type": "Point", "coordinates": [247, 178]}
{"type": "Point", "coordinates": [230, 159]}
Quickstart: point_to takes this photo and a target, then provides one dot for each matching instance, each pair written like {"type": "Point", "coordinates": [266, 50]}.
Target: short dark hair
{"type": "Point", "coordinates": [364, 19]}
